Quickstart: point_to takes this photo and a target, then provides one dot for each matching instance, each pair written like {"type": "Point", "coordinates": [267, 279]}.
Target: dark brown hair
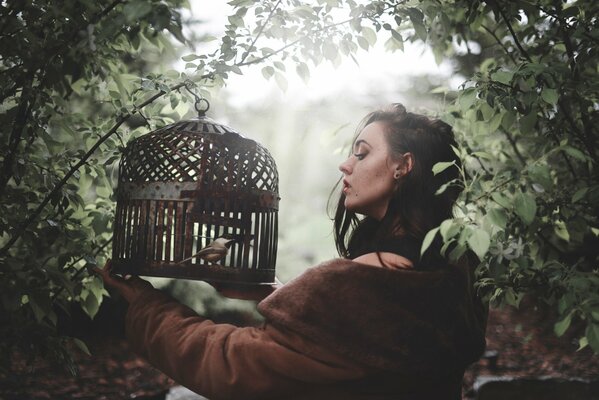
{"type": "Point", "coordinates": [414, 208]}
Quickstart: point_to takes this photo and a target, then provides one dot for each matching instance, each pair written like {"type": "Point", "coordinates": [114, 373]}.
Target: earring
{"type": "Point", "coordinates": [397, 175]}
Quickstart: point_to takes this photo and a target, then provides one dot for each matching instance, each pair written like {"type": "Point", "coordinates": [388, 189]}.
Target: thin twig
{"type": "Point", "coordinates": [509, 26]}
{"type": "Point", "coordinates": [105, 11]}
{"type": "Point", "coordinates": [512, 141]}
{"type": "Point", "coordinates": [247, 53]}
{"type": "Point", "coordinates": [505, 49]}
{"type": "Point", "coordinates": [490, 191]}
{"type": "Point", "coordinates": [260, 59]}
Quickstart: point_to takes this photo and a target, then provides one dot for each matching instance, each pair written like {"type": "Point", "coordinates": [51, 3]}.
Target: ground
{"type": "Point", "coordinates": [523, 340]}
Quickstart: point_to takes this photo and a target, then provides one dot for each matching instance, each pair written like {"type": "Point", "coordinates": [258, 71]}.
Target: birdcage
{"type": "Point", "coordinates": [183, 186]}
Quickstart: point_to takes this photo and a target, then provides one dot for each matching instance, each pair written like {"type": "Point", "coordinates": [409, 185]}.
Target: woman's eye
{"type": "Point", "coordinates": [360, 156]}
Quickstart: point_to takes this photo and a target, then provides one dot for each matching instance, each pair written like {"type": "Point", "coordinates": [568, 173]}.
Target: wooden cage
{"type": "Point", "coordinates": [184, 185]}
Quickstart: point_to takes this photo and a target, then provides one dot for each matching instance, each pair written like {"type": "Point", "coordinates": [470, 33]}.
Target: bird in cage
{"type": "Point", "coordinates": [215, 251]}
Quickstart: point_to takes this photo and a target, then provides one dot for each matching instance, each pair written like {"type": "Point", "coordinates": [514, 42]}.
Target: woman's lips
{"type": "Point", "coordinates": [346, 186]}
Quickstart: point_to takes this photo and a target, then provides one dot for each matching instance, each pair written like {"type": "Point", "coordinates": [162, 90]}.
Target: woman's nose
{"type": "Point", "coordinates": [345, 167]}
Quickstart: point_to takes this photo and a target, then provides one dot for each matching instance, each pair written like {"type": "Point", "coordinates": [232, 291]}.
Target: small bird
{"type": "Point", "coordinates": [215, 251]}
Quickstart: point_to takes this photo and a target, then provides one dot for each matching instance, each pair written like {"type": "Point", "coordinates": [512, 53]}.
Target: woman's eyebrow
{"type": "Point", "coordinates": [359, 142]}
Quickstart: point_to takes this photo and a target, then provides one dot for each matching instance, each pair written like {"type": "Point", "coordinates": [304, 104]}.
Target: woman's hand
{"type": "Point", "coordinates": [244, 291]}
{"type": "Point", "coordinates": [129, 286]}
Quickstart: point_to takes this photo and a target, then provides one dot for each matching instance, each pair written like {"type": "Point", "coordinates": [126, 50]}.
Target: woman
{"type": "Point", "coordinates": [379, 323]}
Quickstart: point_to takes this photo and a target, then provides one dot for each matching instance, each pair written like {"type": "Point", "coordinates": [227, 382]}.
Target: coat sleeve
{"type": "Point", "coordinates": [221, 361]}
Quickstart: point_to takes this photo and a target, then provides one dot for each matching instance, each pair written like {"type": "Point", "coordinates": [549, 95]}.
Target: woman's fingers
{"type": "Point", "coordinates": [110, 279]}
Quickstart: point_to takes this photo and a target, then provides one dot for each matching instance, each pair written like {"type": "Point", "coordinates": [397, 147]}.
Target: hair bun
{"type": "Point", "coordinates": [397, 108]}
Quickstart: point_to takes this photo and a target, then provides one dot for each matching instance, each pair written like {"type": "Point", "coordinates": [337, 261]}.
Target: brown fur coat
{"type": "Point", "coordinates": [342, 330]}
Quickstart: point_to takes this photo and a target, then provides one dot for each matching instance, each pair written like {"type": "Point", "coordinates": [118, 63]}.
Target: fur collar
{"type": "Point", "coordinates": [394, 319]}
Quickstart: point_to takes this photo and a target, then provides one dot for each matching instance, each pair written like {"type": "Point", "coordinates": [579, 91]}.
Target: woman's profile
{"type": "Point", "coordinates": [379, 322]}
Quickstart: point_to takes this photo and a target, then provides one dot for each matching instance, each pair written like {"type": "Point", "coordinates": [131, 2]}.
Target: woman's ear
{"type": "Point", "coordinates": [405, 165]}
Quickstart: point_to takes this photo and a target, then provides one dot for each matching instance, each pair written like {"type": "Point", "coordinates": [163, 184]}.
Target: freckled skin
{"type": "Point", "coordinates": [369, 172]}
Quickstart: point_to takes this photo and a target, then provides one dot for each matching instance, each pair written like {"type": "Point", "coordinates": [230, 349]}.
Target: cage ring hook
{"type": "Point", "coordinates": [198, 106]}
{"type": "Point", "coordinates": [189, 85]}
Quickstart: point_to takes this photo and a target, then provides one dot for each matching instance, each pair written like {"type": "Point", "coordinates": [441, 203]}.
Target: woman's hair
{"type": "Point", "coordinates": [414, 208]}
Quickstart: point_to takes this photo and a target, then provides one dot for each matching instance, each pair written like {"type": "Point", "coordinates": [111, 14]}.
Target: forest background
{"type": "Point", "coordinates": [79, 80]}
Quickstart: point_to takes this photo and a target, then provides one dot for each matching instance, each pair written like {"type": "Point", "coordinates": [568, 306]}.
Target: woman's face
{"type": "Point", "coordinates": [368, 174]}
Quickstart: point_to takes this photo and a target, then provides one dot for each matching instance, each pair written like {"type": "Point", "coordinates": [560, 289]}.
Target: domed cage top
{"type": "Point", "coordinates": [187, 184]}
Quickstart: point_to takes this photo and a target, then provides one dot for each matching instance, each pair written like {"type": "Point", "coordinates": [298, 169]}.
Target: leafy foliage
{"type": "Point", "coordinates": [59, 62]}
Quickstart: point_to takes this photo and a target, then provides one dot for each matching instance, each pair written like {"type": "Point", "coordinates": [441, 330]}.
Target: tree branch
{"type": "Point", "coordinates": [589, 141]}
{"type": "Point", "coordinates": [490, 191]}
{"type": "Point", "coordinates": [505, 49]}
{"type": "Point", "coordinates": [260, 59]}
{"type": "Point", "coordinates": [512, 141]}
{"type": "Point", "coordinates": [247, 53]}
{"type": "Point", "coordinates": [105, 11]}
{"type": "Point", "coordinates": [495, 5]}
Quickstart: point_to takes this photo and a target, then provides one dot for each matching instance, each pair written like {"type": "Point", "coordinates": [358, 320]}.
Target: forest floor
{"type": "Point", "coordinates": [523, 340]}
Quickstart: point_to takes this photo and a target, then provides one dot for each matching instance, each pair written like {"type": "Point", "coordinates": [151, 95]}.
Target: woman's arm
{"type": "Point", "coordinates": [222, 361]}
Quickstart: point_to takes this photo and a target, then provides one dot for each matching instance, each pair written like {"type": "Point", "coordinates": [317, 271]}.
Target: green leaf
{"type": "Point", "coordinates": [416, 17]}
{"type": "Point", "coordinates": [498, 217]}
{"type": "Point", "coordinates": [281, 81]}
{"type": "Point", "coordinates": [190, 57]}
{"type": "Point", "coordinates": [457, 252]}
{"type": "Point", "coordinates": [541, 174]}
{"type": "Point", "coordinates": [561, 230]}
{"type": "Point", "coordinates": [114, 94]}
{"type": "Point", "coordinates": [82, 346]}
{"type": "Point", "coordinates": [395, 35]}
{"type": "Point", "coordinates": [592, 334]}
{"type": "Point", "coordinates": [582, 343]}
{"type": "Point", "coordinates": [38, 311]}
{"type": "Point", "coordinates": [442, 166]}
{"type": "Point", "coordinates": [528, 122]}
{"type": "Point", "coordinates": [363, 42]}
{"type": "Point", "coordinates": [574, 152]}
{"type": "Point", "coordinates": [580, 193]}
{"type": "Point", "coordinates": [525, 207]}
{"type": "Point", "coordinates": [369, 35]}
{"type": "Point", "coordinates": [329, 50]}
{"type": "Point", "coordinates": [495, 122]}
{"type": "Point", "coordinates": [96, 287]}
{"type": "Point", "coordinates": [91, 305]}
{"type": "Point", "coordinates": [509, 117]}
{"type": "Point", "coordinates": [561, 326]}
{"type": "Point", "coordinates": [479, 242]}
{"type": "Point", "coordinates": [501, 76]}
{"type": "Point", "coordinates": [279, 65]}
{"type": "Point", "coordinates": [449, 229]}
{"type": "Point", "coordinates": [268, 72]}
{"type": "Point", "coordinates": [303, 71]}
{"type": "Point", "coordinates": [511, 298]}
{"type": "Point", "coordinates": [467, 98]}
{"type": "Point", "coordinates": [549, 95]}
{"type": "Point", "coordinates": [428, 239]}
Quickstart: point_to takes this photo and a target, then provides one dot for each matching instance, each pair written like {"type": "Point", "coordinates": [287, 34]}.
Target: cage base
{"type": "Point", "coordinates": [209, 273]}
